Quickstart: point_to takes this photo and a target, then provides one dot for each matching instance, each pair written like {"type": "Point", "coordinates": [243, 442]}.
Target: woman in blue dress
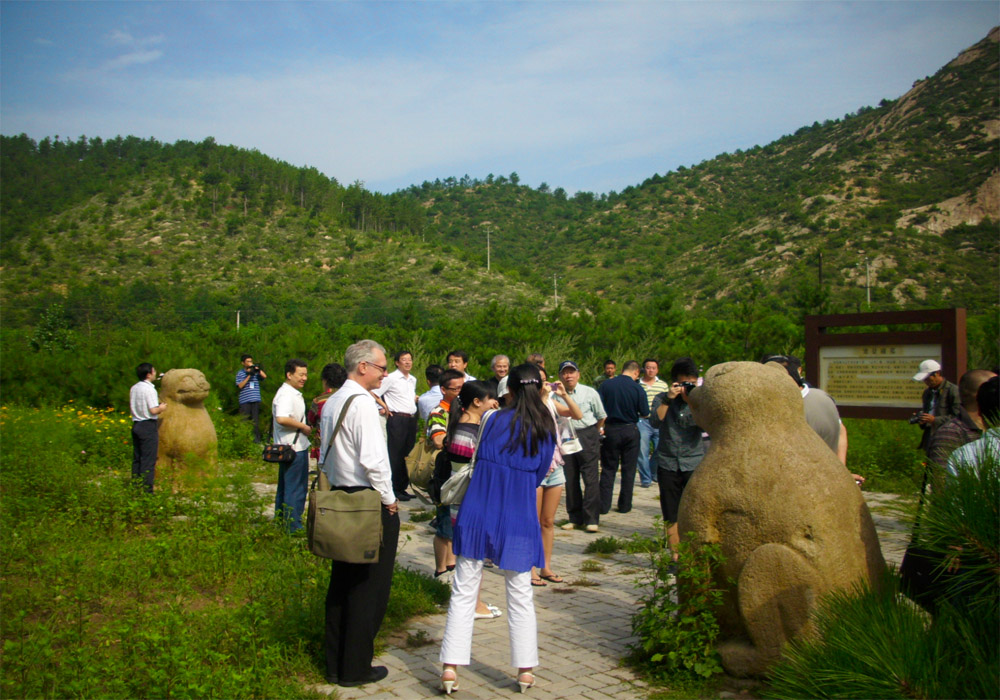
{"type": "Point", "coordinates": [498, 520]}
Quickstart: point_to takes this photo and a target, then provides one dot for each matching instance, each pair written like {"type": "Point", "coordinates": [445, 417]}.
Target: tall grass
{"type": "Point", "coordinates": [107, 591]}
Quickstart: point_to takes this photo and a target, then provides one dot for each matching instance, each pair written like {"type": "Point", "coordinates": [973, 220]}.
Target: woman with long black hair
{"type": "Point", "coordinates": [467, 410]}
{"type": "Point", "coordinates": [498, 520]}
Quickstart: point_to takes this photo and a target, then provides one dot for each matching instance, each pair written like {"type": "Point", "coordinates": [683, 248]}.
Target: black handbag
{"type": "Point", "coordinates": [281, 453]}
{"type": "Point", "coordinates": [924, 577]}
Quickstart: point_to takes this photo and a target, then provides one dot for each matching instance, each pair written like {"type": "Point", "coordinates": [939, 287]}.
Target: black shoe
{"type": "Point", "coordinates": [621, 510]}
{"type": "Point", "coordinates": [332, 680]}
{"type": "Point", "coordinates": [375, 674]}
{"type": "Point", "coordinates": [404, 496]}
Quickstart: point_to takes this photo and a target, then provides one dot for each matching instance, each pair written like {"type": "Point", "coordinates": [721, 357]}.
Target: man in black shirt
{"type": "Point", "coordinates": [625, 402]}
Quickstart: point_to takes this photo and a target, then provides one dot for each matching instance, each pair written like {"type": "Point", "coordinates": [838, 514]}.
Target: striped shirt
{"type": "Point", "coordinates": [250, 393]}
{"type": "Point", "coordinates": [653, 390]}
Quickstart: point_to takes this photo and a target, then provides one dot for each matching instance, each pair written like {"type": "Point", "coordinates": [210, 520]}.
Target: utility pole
{"type": "Point", "coordinates": [555, 289]}
{"type": "Point", "coordinates": [237, 319]}
{"type": "Point", "coordinates": [868, 288]}
{"type": "Point", "coordinates": [488, 229]}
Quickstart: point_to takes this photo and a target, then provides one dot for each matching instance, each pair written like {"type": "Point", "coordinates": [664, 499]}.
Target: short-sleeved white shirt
{"type": "Point", "coordinates": [141, 398]}
{"type": "Point", "coordinates": [288, 403]}
{"type": "Point", "coordinates": [399, 392]}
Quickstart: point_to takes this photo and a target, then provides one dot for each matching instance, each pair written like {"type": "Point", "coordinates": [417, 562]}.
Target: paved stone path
{"type": "Point", "coordinates": [584, 624]}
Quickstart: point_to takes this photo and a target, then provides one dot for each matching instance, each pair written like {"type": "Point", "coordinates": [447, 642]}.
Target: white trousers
{"type": "Point", "coordinates": [456, 647]}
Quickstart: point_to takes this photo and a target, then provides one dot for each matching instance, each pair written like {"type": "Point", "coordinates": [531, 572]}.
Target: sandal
{"type": "Point", "coordinates": [494, 612]}
{"type": "Point", "coordinates": [535, 581]}
{"type": "Point", "coordinates": [552, 578]}
{"type": "Point", "coordinates": [449, 680]}
{"type": "Point", "coordinates": [525, 680]}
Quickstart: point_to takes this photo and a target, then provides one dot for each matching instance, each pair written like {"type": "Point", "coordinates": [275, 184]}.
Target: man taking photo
{"type": "Point", "coordinates": [248, 380]}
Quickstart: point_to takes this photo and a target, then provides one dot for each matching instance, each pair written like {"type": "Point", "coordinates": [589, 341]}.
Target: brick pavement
{"type": "Point", "coordinates": [583, 624]}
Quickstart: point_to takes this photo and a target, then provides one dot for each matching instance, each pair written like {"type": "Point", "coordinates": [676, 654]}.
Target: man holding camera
{"type": "Point", "coordinates": [681, 448]}
{"type": "Point", "coordinates": [940, 401]}
{"type": "Point", "coordinates": [248, 382]}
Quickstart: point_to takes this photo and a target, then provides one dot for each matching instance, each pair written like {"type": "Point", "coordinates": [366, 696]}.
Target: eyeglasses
{"type": "Point", "coordinates": [375, 365]}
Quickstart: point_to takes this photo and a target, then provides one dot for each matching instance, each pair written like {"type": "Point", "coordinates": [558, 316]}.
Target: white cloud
{"type": "Point", "coordinates": [131, 59]}
{"type": "Point", "coordinates": [570, 92]}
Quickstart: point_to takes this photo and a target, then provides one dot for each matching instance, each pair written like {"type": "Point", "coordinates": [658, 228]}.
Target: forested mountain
{"type": "Point", "coordinates": [190, 231]}
{"type": "Point", "coordinates": [911, 186]}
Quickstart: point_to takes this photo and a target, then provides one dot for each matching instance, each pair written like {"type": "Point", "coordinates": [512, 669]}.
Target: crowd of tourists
{"type": "Point", "coordinates": [533, 434]}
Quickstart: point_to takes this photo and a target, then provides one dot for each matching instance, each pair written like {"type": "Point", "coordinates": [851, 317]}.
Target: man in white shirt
{"type": "Point", "coordinates": [357, 458]}
{"type": "Point", "coordinates": [289, 427]}
{"type": "Point", "coordinates": [399, 392]}
{"type": "Point", "coordinates": [458, 360]}
{"type": "Point", "coordinates": [145, 407]}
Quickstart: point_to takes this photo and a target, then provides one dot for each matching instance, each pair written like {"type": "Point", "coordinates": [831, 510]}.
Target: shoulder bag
{"type": "Point", "coordinates": [343, 525]}
{"type": "Point", "coordinates": [278, 452]}
{"type": "Point", "coordinates": [420, 463]}
{"type": "Point", "coordinates": [453, 490]}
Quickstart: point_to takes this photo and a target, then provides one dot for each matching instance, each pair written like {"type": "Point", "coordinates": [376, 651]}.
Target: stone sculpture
{"type": "Point", "coordinates": [187, 442]}
{"type": "Point", "coordinates": [791, 522]}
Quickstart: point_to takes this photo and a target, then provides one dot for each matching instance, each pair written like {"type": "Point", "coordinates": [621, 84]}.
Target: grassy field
{"type": "Point", "coordinates": [110, 592]}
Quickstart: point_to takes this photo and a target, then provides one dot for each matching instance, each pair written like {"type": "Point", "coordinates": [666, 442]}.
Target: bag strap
{"type": "Point", "coordinates": [920, 505]}
{"type": "Point", "coordinates": [479, 437]}
{"type": "Point", "coordinates": [321, 476]}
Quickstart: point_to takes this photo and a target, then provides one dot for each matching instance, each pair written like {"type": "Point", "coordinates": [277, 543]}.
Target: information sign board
{"type": "Point", "coordinates": [870, 373]}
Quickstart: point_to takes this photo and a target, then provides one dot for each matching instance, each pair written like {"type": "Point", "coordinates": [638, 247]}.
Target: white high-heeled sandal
{"type": "Point", "coordinates": [449, 684]}
{"type": "Point", "coordinates": [525, 684]}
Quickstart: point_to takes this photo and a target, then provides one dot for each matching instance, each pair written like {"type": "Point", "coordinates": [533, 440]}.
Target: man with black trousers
{"type": "Point", "coordinates": [399, 392]}
{"type": "Point", "coordinates": [625, 403]}
{"type": "Point", "coordinates": [145, 406]}
{"type": "Point", "coordinates": [357, 458]}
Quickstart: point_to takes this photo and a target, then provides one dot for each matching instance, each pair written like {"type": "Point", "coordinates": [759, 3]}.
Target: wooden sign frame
{"type": "Point", "coordinates": [945, 328]}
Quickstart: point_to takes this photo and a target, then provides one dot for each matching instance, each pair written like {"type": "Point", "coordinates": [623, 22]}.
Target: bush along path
{"type": "Point", "coordinates": [584, 624]}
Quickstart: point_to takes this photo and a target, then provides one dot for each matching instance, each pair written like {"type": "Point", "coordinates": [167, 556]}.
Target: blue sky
{"type": "Point", "coordinates": [582, 95]}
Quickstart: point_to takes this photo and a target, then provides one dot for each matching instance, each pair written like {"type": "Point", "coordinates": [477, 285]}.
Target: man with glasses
{"type": "Point", "coordinates": [357, 458]}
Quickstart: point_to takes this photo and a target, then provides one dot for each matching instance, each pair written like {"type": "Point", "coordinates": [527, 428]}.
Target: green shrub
{"type": "Point", "coordinates": [885, 453]}
{"type": "Point", "coordinates": [676, 625]}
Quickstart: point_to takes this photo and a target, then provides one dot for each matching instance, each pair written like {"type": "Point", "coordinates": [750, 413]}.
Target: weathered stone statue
{"type": "Point", "coordinates": [188, 446]}
{"type": "Point", "coordinates": [791, 522]}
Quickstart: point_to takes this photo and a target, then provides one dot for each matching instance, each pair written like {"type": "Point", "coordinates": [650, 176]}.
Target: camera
{"type": "Point", "coordinates": [553, 386]}
{"type": "Point", "coordinates": [914, 419]}
{"type": "Point", "coordinates": [688, 386]}
{"type": "Point", "coordinates": [254, 369]}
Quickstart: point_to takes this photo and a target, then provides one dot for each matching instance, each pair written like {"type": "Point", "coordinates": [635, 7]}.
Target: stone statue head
{"type": "Point", "coordinates": [186, 386]}
{"type": "Point", "coordinates": [748, 394]}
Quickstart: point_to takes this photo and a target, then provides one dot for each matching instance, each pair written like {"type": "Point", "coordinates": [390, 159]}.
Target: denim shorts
{"type": "Point", "coordinates": [556, 478]}
{"type": "Point", "coordinates": [442, 523]}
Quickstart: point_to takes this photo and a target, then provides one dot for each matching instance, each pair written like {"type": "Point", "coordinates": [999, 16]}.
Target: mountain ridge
{"type": "Point", "coordinates": [909, 189]}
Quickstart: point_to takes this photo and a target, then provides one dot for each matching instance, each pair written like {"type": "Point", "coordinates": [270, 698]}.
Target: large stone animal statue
{"type": "Point", "coordinates": [187, 451]}
{"type": "Point", "coordinates": [789, 517]}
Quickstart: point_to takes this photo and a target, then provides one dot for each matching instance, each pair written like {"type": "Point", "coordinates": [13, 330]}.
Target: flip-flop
{"type": "Point", "coordinates": [554, 578]}
{"type": "Point", "coordinates": [538, 582]}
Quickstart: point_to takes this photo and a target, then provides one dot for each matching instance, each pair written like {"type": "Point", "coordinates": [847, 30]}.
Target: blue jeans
{"type": "Point", "coordinates": [647, 457]}
{"type": "Point", "coordinates": [293, 482]}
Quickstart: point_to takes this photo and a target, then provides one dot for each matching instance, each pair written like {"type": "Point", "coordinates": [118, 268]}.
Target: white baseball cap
{"type": "Point", "coordinates": [927, 368]}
